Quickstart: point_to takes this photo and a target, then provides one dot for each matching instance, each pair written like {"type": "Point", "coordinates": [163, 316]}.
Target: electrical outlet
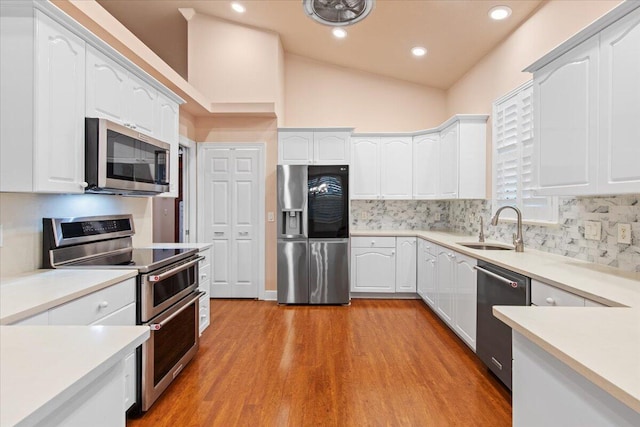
{"type": "Point", "coordinates": [592, 230]}
{"type": "Point", "coordinates": [624, 234]}
{"type": "Point", "coordinates": [437, 216]}
{"type": "Point", "coordinates": [364, 216]}
{"type": "Point", "coordinates": [271, 217]}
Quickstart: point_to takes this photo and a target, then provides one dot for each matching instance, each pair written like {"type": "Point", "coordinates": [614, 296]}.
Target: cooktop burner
{"type": "Point", "coordinates": [144, 260]}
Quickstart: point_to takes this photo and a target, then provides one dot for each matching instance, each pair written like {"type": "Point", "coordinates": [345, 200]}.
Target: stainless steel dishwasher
{"type": "Point", "coordinates": [498, 286]}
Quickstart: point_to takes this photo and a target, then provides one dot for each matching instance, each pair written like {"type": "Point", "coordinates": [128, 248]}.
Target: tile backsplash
{"type": "Point", "coordinates": [565, 238]}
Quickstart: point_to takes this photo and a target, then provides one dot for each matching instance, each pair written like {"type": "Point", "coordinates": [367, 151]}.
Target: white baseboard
{"type": "Point", "coordinates": [379, 295]}
{"type": "Point", "coordinates": [270, 295]}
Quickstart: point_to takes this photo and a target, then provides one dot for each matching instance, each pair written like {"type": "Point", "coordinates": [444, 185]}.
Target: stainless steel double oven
{"type": "Point", "coordinates": [166, 295]}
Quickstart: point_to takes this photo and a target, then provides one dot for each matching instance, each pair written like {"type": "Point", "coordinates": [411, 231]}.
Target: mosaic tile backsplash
{"type": "Point", "coordinates": [565, 238]}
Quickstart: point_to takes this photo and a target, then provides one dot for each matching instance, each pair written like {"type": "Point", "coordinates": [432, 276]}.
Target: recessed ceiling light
{"type": "Point", "coordinates": [238, 7]}
{"type": "Point", "coordinates": [419, 51]}
{"type": "Point", "coordinates": [500, 12]}
{"type": "Point", "coordinates": [339, 33]}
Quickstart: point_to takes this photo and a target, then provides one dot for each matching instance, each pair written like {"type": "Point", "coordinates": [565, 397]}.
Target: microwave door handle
{"type": "Point", "coordinates": [159, 325]}
{"type": "Point", "coordinates": [168, 273]}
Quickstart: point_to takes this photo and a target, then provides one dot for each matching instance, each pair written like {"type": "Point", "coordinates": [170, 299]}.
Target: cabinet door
{"type": "Point", "coordinates": [465, 299]}
{"type": "Point", "coordinates": [331, 148]}
{"type": "Point", "coordinates": [445, 285]}
{"type": "Point", "coordinates": [142, 103]}
{"type": "Point", "coordinates": [373, 270]}
{"type": "Point", "coordinates": [406, 264]}
{"type": "Point", "coordinates": [565, 122]}
{"type": "Point", "coordinates": [396, 165]}
{"type": "Point", "coordinates": [365, 172]}
{"type": "Point", "coordinates": [295, 148]}
{"type": "Point", "coordinates": [448, 175]}
{"type": "Point", "coordinates": [167, 117]}
{"type": "Point", "coordinates": [59, 108]}
{"type": "Point", "coordinates": [107, 85]}
{"type": "Point", "coordinates": [431, 280]}
{"type": "Point", "coordinates": [426, 153]}
{"type": "Point", "coordinates": [619, 169]}
{"type": "Point", "coordinates": [421, 269]}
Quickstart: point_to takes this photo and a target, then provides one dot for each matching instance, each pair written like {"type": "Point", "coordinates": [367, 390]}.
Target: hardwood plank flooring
{"type": "Point", "coordinates": [375, 363]}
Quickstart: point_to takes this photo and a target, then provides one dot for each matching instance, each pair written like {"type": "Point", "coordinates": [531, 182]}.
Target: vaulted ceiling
{"type": "Point", "coordinates": [456, 33]}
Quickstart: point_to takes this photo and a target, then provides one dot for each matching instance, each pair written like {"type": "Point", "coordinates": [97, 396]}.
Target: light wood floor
{"type": "Point", "coordinates": [375, 363]}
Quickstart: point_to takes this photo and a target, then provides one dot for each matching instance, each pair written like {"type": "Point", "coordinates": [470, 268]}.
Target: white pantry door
{"type": "Point", "coordinates": [229, 206]}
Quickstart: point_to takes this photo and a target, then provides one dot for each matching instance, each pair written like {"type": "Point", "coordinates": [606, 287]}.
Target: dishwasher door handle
{"type": "Point", "coordinates": [497, 276]}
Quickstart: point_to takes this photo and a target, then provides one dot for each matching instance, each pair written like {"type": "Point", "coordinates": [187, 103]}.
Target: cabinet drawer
{"type": "Point", "coordinates": [95, 306]}
{"type": "Point", "coordinates": [548, 296]}
{"type": "Point", "coordinates": [429, 247]}
{"type": "Point", "coordinates": [126, 316]}
{"type": "Point", "coordinates": [373, 242]}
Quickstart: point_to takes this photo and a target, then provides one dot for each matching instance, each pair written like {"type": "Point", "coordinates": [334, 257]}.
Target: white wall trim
{"type": "Point", "coordinates": [261, 147]}
{"type": "Point", "coordinates": [270, 295]}
{"type": "Point", "coordinates": [191, 183]}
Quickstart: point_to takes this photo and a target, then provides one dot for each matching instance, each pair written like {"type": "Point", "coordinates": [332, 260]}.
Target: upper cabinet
{"type": "Point", "coordinates": [54, 74]}
{"type": "Point", "coordinates": [42, 104]}
{"type": "Point", "coordinates": [586, 103]}
{"type": "Point", "coordinates": [448, 162]}
{"type": "Point", "coordinates": [313, 146]}
{"type": "Point", "coordinates": [381, 167]}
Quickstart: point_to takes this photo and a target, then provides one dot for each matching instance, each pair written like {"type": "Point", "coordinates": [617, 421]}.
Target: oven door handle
{"type": "Point", "coordinates": [189, 300]}
{"type": "Point", "coordinates": [168, 273]}
{"type": "Point", "coordinates": [496, 276]}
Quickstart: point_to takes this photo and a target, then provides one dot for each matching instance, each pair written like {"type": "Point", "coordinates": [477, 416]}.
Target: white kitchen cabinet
{"type": "Point", "coordinates": [406, 255]}
{"type": "Point", "coordinates": [382, 167]}
{"type": "Point", "coordinates": [586, 98]}
{"type": "Point", "coordinates": [396, 166]}
{"type": "Point", "coordinates": [426, 267]}
{"type": "Point", "coordinates": [204, 267]}
{"type": "Point", "coordinates": [313, 146]}
{"type": "Point", "coordinates": [465, 299]}
{"type": "Point", "coordinates": [365, 169]}
{"type": "Point", "coordinates": [426, 160]}
{"type": "Point", "coordinates": [445, 274]}
{"type": "Point", "coordinates": [545, 295]}
{"type": "Point", "coordinates": [42, 104]}
{"type": "Point", "coordinates": [373, 268]}
{"type": "Point", "coordinates": [619, 134]}
{"type": "Point", "coordinates": [448, 165]}
{"type": "Point", "coordinates": [106, 88]}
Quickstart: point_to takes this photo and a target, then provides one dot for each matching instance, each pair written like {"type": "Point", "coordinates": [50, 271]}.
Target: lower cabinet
{"type": "Point", "coordinates": [111, 306]}
{"type": "Point", "coordinates": [204, 268]}
{"type": "Point", "coordinates": [447, 283]}
{"type": "Point", "coordinates": [383, 265]}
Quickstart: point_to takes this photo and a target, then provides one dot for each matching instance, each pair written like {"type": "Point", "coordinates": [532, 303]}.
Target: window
{"type": "Point", "coordinates": [512, 159]}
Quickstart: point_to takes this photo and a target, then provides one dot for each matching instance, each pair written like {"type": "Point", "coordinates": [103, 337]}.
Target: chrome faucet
{"type": "Point", "coordinates": [518, 241]}
{"type": "Point", "coordinates": [481, 235]}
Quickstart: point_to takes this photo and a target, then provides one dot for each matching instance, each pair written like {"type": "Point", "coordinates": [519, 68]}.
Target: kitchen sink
{"type": "Point", "coordinates": [486, 246]}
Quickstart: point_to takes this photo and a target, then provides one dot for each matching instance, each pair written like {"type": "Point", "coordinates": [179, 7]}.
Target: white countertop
{"type": "Point", "coordinates": [36, 292]}
{"type": "Point", "coordinates": [602, 344]}
{"type": "Point", "coordinates": [43, 366]}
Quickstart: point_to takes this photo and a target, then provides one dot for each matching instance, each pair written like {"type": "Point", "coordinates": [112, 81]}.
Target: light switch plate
{"type": "Point", "coordinates": [592, 230]}
{"type": "Point", "coordinates": [363, 216]}
{"type": "Point", "coordinates": [437, 215]}
{"type": "Point", "coordinates": [270, 217]}
{"type": "Point", "coordinates": [624, 233]}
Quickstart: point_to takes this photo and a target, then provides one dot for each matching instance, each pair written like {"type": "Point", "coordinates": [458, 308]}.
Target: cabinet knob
{"type": "Point", "coordinates": [373, 242]}
{"type": "Point", "coordinates": [550, 301]}
{"type": "Point", "coordinates": [134, 127]}
{"type": "Point", "coordinates": [84, 185]}
{"type": "Point", "coordinates": [203, 276]}
{"type": "Point", "coordinates": [103, 304]}
{"type": "Point", "coordinates": [393, 253]}
{"type": "Point", "coordinates": [433, 261]}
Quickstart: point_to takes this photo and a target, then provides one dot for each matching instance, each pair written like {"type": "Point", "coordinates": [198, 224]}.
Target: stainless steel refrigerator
{"type": "Point", "coordinates": [313, 234]}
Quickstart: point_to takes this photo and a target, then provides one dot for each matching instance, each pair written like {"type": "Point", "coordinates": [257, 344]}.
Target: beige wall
{"type": "Point", "coordinates": [21, 218]}
{"type": "Point", "coordinates": [230, 63]}
{"type": "Point", "coordinates": [318, 94]}
{"type": "Point", "coordinates": [251, 130]}
{"type": "Point", "coordinates": [501, 70]}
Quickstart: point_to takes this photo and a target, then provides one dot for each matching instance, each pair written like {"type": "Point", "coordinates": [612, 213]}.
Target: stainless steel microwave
{"type": "Point", "coordinates": [120, 160]}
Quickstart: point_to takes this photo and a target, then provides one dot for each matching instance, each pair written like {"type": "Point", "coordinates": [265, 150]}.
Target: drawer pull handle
{"type": "Point", "coordinates": [495, 362]}
{"type": "Point", "coordinates": [103, 304]}
{"type": "Point", "coordinates": [550, 301]}
{"type": "Point", "coordinates": [203, 276]}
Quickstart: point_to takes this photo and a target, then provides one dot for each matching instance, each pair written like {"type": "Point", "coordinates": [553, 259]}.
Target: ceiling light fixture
{"type": "Point", "coordinates": [499, 13]}
{"type": "Point", "coordinates": [238, 7]}
{"type": "Point", "coordinates": [339, 33]}
{"type": "Point", "coordinates": [338, 13]}
{"type": "Point", "coordinates": [419, 51]}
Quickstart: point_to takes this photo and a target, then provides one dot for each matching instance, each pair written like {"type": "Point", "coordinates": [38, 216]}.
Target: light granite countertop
{"type": "Point", "coordinates": [45, 366]}
{"type": "Point", "coordinates": [602, 344]}
{"type": "Point", "coordinates": [32, 293]}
